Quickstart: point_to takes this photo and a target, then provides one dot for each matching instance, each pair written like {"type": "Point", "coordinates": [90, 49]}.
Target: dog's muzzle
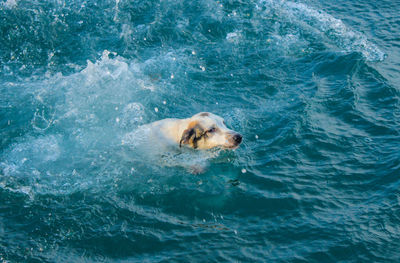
{"type": "Point", "coordinates": [235, 139]}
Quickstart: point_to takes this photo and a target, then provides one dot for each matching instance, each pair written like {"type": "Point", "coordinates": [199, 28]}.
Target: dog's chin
{"type": "Point", "coordinates": [230, 147]}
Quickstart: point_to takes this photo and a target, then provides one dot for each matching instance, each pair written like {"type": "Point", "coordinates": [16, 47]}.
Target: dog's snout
{"type": "Point", "coordinates": [237, 138]}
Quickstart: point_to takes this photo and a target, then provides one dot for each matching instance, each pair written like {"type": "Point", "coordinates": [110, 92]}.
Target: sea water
{"type": "Point", "coordinates": [313, 87]}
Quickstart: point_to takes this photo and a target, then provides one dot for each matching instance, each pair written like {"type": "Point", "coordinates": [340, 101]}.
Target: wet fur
{"type": "Point", "coordinates": [192, 135]}
{"type": "Point", "coordinates": [196, 132]}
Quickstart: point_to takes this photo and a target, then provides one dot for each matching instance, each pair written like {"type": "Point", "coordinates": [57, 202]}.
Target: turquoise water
{"type": "Point", "coordinates": [313, 87]}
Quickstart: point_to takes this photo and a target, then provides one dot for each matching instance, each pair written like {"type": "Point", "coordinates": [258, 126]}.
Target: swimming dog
{"type": "Point", "coordinates": [204, 130]}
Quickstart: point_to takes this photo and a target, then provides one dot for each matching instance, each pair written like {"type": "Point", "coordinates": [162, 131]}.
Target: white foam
{"type": "Point", "coordinates": [290, 43]}
{"type": "Point", "coordinates": [132, 115]}
{"type": "Point", "coordinates": [42, 121]}
{"type": "Point", "coordinates": [126, 33]}
{"type": "Point", "coordinates": [137, 137]}
{"type": "Point", "coordinates": [10, 3]}
{"type": "Point", "coordinates": [30, 153]}
{"type": "Point", "coordinates": [324, 24]}
{"type": "Point", "coordinates": [86, 96]}
{"type": "Point", "coordinates": [346, 38]}
{"type": "Point", "coordinates": [233, 37]}
{"type": "Point", "coordinates": [105, 67]}
{"type": "Point", "coordinates": [26, 190]}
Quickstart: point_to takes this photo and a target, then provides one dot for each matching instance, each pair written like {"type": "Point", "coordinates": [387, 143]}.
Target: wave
{"type": "Point", "coordinates": [306, 18]}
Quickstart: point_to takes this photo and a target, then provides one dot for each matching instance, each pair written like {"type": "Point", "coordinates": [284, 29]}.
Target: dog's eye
{"type": "Point", "coordinates": [212, 130]}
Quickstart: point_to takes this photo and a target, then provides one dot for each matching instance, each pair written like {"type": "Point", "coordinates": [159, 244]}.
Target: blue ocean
{"type": "Point", "coordinates": [313, 86]}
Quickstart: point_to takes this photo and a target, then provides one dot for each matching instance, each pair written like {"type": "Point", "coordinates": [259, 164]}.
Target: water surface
{"type": "Point", "coordinates": [313, 87]}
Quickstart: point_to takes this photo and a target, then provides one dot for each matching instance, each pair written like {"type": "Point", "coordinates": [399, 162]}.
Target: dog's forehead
{"type": "Point", "coordinates": [208, 118]}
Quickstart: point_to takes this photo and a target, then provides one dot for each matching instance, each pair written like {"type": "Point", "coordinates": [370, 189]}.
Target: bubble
{"type": "Point", "coordinates": [244, 171]}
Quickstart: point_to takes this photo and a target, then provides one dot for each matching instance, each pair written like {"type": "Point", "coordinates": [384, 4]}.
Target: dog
{"type": "Point", "coordinates": [204, 130]}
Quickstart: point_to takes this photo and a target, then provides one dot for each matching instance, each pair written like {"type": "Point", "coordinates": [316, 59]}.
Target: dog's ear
{"type": "Point", "coordinates": [192, 134]}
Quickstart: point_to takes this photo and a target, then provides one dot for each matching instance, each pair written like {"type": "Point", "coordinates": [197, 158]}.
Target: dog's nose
{"type": "Point", "coordinates": [237, 138]}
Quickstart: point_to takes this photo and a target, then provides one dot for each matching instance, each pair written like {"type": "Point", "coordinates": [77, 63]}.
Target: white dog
{"type": "Point", "coordinates": [201, 131]}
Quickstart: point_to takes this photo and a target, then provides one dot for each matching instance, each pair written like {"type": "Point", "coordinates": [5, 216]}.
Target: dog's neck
{"type": "Point", "coordinates": [174, 128]}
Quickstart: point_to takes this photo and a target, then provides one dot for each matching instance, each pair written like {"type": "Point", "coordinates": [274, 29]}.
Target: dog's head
{"type": "Point", "coordinates": [206, 130]}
